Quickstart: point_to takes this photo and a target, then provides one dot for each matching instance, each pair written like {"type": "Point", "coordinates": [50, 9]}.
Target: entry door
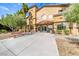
{"type": "Point", "coordinates": [44, 28]}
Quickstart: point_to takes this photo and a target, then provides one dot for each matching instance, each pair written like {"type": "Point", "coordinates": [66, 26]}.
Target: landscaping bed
{"type": "Point", "coordinates": [67, 48]}
{"type": "Point", "coordinates": [14, 34]}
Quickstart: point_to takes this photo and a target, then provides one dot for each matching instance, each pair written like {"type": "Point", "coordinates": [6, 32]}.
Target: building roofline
{"type": "Point", "coordinates": [55, 5]}
{"type": "Point", "coordinates": [58, 5]}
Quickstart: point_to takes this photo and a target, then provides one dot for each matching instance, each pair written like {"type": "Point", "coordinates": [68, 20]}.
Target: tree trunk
{"type": "Point", "coordinates": [71, 25]}
{"type": "Point", "coordinates": [25, 28]}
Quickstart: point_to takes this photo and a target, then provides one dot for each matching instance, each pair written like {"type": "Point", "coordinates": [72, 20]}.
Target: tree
{"type": "Point", "coordinates": [13, 21]}
{"type": "Point", "coordinates": [21, 22]}
{"type": "Point", "coordinates": [9, 21]}
{"type": "Point", "coordinates": [72, 14]}
{"type": "Point", "coordinates": [23, 10]}
{"type": "Point", "coordinates": [19, 12]}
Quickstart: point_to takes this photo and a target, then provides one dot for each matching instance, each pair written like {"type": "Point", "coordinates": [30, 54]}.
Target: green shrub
{"type": "Point", "coordinates": [59, 31]}
{"type": "Point", "coordinates": [66, 32]}
{"type": "Point", "coordinates": [3, 31]}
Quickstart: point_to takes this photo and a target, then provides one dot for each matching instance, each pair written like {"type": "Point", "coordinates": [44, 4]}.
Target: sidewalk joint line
{"type": "Point", "coordinates": [8, 49]}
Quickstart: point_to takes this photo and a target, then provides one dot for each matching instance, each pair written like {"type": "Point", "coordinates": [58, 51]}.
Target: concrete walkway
{"type": "Point", "coordinates": [37, 44]}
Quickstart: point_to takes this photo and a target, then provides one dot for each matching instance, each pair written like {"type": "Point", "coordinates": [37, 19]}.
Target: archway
{"type": "Point", "coordinates": [42, 28]}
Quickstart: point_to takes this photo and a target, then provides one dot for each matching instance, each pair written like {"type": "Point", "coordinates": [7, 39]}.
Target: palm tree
{"type": "Point", "coordinates": [23, 10]}
{"type": "Point", "coordinates": [19, 12]}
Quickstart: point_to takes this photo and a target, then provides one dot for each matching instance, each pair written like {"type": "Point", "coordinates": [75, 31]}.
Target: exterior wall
{"type": "Point", "coordinates": [58, 19]}
{"type": "Point", "coordinates": [75, 30]}
{"type": "Point", "coordinates": [47, 11]}
{"type": "Point", "coordinates": [33, 12]}
{"type": "Point", "coordinates": [27, 20]}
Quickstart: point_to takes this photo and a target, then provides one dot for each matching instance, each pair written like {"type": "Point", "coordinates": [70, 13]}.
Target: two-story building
{"type": "Point", "coordinates": [48, 17]}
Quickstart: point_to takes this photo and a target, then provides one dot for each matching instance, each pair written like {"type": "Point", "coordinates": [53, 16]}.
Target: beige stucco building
{"type": "Point", "coordinates": [47, 18]}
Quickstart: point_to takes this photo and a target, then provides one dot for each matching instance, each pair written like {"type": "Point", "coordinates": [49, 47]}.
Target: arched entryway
{"type": "Point", "coordinates": [42, 28]}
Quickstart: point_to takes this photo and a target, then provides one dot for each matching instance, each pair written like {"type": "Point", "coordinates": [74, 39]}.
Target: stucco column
{"type": "Point", "coordinates": [74, 30]}
{"type": "Point", "coordinates": [34, 28]}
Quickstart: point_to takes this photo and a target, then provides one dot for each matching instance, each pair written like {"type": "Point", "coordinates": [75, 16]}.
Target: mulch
{"type": "Point", "coordinates": [11, 34]}
{"type": "Point", "coordinates": [14, 34]}
{"type": "Point", "coordinates": [66, 48]}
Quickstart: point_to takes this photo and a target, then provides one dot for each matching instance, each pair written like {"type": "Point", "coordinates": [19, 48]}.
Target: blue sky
{"type": "Point", "coordinates": [9, 8]}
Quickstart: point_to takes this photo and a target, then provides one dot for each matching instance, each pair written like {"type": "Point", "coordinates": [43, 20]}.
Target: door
{"type": "Point", "coordinates": [42, 28]}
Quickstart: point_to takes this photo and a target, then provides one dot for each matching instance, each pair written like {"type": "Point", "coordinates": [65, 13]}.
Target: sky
{"type": "Point", "coordinates": [10, 8]}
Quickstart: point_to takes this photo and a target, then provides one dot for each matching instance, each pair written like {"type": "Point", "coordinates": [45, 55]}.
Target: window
{"type": "Point", "coordinates": [60, 10]}
{"type": "Point", "coordinates": [61, 26]}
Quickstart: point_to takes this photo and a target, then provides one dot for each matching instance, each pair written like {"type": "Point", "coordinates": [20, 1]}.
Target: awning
{"type": "Point", "coordinates": [44, 22]}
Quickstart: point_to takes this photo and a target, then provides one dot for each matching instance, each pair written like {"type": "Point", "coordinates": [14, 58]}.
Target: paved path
{"type": "Point", "coordinates": [37, 44]}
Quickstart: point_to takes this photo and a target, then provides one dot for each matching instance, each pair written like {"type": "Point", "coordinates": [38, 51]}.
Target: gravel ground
{"type": "Point", "coordinates": [67, 48]}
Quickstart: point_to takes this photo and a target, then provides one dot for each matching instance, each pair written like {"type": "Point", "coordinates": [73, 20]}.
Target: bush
{"type": "Point", "coordinates": [3, 31]}
{"type": "Point", "coordinates": [66, 32]}
{"type": "Point", "coordinates": [59, 31]}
